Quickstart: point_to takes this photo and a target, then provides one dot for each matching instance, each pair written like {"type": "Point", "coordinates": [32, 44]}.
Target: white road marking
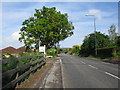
{"type": "Point", "coordinates": [62, 74]}
{"type": "Point", "coordinates": [112, 75]}
{"type": "Point", "coordinates": [93, 66]}
{"type": "Point", "coordinates": [83, 62]}
{"type": "Point", "coordinates": [60, 61]}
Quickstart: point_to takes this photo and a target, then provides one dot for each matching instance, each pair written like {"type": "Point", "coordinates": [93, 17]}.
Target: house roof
{"type": "Point", "coordinates": [20, 50]}
{"type": "Point", "coordinates": [12, 50]}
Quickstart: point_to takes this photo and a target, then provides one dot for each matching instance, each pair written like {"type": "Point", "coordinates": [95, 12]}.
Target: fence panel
{"type": "Point", "coordinates": [30, 66]}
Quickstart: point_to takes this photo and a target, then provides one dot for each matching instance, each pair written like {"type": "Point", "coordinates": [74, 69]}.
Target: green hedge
{"type": "Point", "coordinates": [106, 52]}
{"type": "Point", "coordinates": [52, 52]}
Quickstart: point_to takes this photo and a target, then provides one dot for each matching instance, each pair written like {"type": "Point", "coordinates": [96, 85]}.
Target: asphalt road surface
{"type": "Point", "coordinates": [79, 72]}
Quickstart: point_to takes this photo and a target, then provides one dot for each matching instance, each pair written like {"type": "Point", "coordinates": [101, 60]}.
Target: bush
{"type": "Point", "coordinates": [52, 52]}
{"type": "Point", "coordinates": [12, 65]}
{"type": "Point", "coordinates": [8, 66]}
{"type": "Point", "coordinates": [108, 52]}
{"type": "Point", "coordinates": [66, 51]}
{"type": "Point", "coordinates": [105, 52]}
{"type": "Point", "coordinates": [118, 54]}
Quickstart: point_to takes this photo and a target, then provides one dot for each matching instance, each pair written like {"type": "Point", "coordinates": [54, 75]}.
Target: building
{"type": "Point", "coordinates": [12, 50]}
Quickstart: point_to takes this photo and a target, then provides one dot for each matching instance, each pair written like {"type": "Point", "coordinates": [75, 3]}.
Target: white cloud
{"type": "Point", "coordinates": [11, 41]}
{"type": "Point", "coordinates": [15, 36]}
{"type": "Point", "coordinates": [96, 12]}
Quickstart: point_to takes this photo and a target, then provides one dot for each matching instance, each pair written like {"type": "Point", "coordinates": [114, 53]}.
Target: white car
{"type": "Point", "coordinates": [49, 56]}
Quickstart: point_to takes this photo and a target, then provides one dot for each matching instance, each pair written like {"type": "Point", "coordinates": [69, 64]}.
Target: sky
{"type": "Point", "coordinates": [14, 13]}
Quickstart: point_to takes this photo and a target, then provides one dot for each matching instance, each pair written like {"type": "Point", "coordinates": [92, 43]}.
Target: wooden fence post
{"type": "Point", "coordinates": [114, 52]}
{"type": "Point", "coordinates": [17, 74]}
{"type": "Point", "coordinates": [38, 63]}
{"type": "Point", "coordinates": [30, 64]}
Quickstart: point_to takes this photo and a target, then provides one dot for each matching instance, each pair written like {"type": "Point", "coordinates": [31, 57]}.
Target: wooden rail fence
{"type": "Point", "coordinates": [14, 76]}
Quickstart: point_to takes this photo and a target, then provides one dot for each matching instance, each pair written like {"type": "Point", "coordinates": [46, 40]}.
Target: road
{"type": "Point", "coordinates": [79, 72]}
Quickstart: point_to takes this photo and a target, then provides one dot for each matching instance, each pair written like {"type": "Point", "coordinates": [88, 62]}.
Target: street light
{"type": "Point", "coordinates": [95, 32]}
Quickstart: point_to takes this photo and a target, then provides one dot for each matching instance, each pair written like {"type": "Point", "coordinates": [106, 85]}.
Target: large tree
{"type": "Point", "coordinates": [88, 46]}
{"type": "Point", "coordinates": [47, 25]}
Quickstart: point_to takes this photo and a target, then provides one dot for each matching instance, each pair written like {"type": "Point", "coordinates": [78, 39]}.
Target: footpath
{"type": "Point", "coordinates": [49, 76]}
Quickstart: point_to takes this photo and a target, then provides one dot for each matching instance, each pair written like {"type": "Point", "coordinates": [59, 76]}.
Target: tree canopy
{"type": "Point", "coordinates": [76, 49]}
{"type": "Point", "coordinates": [47, 25]}
{"type": "Point", "coordinates": [88, 46]}
{"type": "Point", "coordinates": [112, 32]}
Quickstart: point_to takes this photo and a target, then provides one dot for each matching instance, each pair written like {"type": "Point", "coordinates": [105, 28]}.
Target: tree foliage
{"type": "Point", "coordinates": [112, 32]}
{"type": "Point", "coordinates": [47, 25]}
{"type": "Point", "coordinates": [76, 49]}
{"type": "Point", "coordinates": [88, 46]}
{"type": "Point", "coordinates": [117, 41]}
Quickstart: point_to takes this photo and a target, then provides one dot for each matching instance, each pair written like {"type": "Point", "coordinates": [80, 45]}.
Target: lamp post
{"type": "Point", "coordinates": [94, 32]}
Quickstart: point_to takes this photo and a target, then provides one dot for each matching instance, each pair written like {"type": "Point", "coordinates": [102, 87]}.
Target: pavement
{"type": "Point", "coordinates": [79, 72]}
{"type": "Point", "coordinates": [53, 77]}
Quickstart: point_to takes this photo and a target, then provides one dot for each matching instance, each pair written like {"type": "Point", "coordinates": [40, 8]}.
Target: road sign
{"type": "Point", "coordinates": [42, 49]}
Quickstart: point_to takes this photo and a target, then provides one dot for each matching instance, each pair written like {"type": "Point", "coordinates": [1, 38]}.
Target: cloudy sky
{"type": "Point", "coordinates": [14, 13]}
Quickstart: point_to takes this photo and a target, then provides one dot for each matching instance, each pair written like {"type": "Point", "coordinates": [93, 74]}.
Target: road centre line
{"type": "Point", "coordinates": [106, 73]}
{"type": "Point", "coordinates": [112, 75]}
{"type": "Point", "coordinates": [83, 62]}
{"type": "Point", "coordinates": [93, 66]}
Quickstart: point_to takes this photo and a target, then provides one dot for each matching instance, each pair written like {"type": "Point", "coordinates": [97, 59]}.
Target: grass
{"type": "Point", "coordinates": [0, 57]}
{"type": "Point", "coordinates": [51, 58]}
{"type": "Point", "coordinates": [100, 57]}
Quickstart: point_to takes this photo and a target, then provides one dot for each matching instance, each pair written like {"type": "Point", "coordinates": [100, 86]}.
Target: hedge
{"type": "Point", "coordinates": [106, 52]}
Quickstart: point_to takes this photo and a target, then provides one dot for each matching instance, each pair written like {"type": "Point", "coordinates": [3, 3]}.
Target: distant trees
{"type": "Point", "coordinates": [112, 35]}
{"type": "Point", "coordinates": [88, 46]}
{"type": "Point", "coordinates": [76, 49]}
{"type": "Point", "coordinates": [47, 25]}
{"type": "Point", "coordinates": [107, 45]}
{"type": "Point", "coordinates": [112, 32]}
{"type": "Point", "coordinates": [117, 41]}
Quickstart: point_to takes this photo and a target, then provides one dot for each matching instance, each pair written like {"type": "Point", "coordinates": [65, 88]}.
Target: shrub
{"type": "Point", "coordinates": [65, 51]}
{"type": "Point", "coordinates": [52, 52]}
{"type": "Point", "coordinates": [106, 52]}
{"type": "Point", "coordinates": [118, 53]}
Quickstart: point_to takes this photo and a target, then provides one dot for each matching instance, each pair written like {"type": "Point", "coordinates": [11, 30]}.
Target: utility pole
{"type": "Point", "coordinates": [94, 32]}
